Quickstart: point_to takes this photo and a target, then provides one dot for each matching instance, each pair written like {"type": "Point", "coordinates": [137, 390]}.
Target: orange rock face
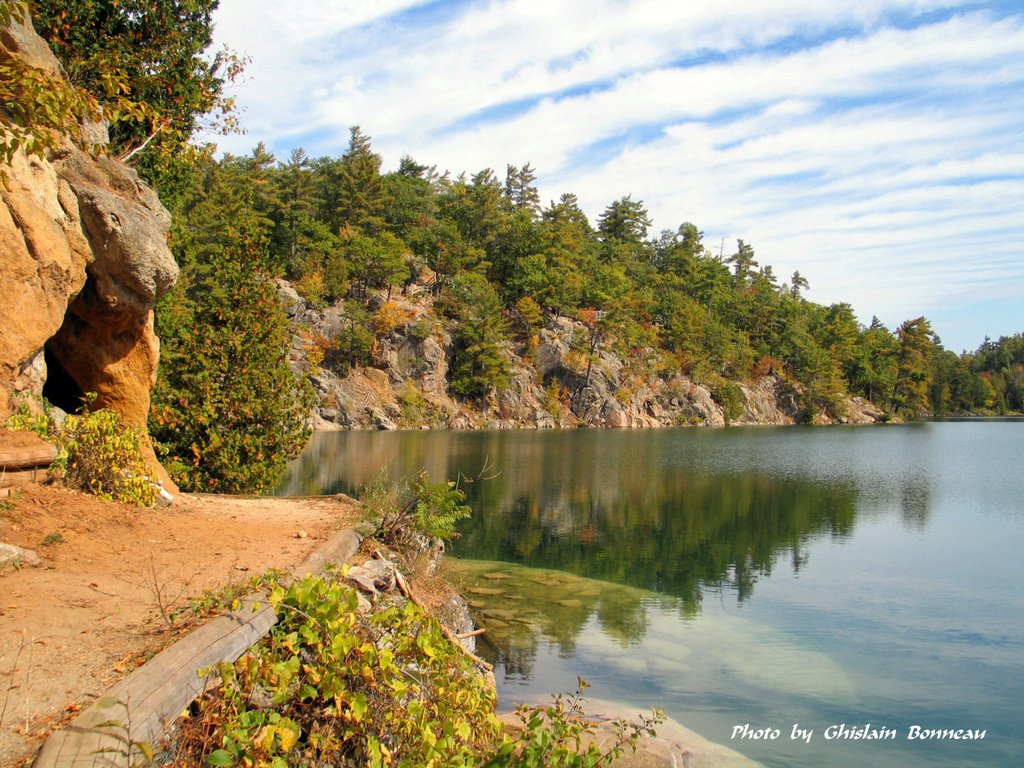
{"type": "Point", "coordinates": [83, 259]}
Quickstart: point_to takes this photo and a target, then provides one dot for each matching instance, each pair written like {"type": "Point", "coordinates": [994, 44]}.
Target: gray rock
{"type": "Point", "coordinates": [133, 264]}
{"type": "Point", "coordinates": [17, 556]}
{"type": "Point", "coordinates": [373, 576]}
{"type": "Point", "coordinates": [294, 305]}
{"type": "Point", "coordinates": [381, 421]}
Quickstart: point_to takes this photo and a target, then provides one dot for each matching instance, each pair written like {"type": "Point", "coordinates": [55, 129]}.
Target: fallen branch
{"type": "Point", "coordinates": [405, 589]}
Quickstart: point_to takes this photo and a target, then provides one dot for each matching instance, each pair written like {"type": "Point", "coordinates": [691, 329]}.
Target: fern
{"type": "Point", "coordinates": [430, 510]}
{"type": "Point", "coordinates": [439, 507]}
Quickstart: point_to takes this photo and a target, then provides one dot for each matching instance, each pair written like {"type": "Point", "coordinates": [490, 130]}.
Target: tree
{"type": "Point", "coordinates": [228, 412]}
{"type": "Point", "coordinates": [377, 262]}
{"type": "Point", "coordinates": [301, 244]}
{"type": "Point", "coordinates": [37, 108]}
{"type": "Point", "coordinates": [144, 61]}
{"type": "Point", "coordinates": [412, 199]}
{"type": "Point", "coordinates": [359, 196]}
{"type": "Point", "coordinates": [872, 371]}
{"type": "Point", "coordinates": [916, 345]}
{"type": "Point", "coordinates": [479, 364]}
{"type": "Point", "coordinates": [796, 282]}
{"type": "Point", "coordinates": [477, 208]}
{"type": "Point", "coordinates": [622, 229]}
{"type": "Point", "coordinates": [566, 240]}
{"type": "Point", "coordinates": [743, 262]}
{"type": "Point", "coordinates": [624, 221]}
{"type": "Point", "coordinates": [520, 190]}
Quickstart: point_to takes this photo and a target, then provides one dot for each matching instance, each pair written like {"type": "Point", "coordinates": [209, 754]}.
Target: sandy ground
{"type": "Point", "coordinates": [92, 610]}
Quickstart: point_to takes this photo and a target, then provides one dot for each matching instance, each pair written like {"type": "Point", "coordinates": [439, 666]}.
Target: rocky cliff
{"type": "Point", "coordinates": [407, 384]}
{"type": "Point", "coordinates": [83, 259]}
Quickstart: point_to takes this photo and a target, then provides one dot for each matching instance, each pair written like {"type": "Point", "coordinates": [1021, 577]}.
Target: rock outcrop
{"type": "Point", "coordinates": [83, 259]}
{"type": "Point", "coordinates": [551, 385]}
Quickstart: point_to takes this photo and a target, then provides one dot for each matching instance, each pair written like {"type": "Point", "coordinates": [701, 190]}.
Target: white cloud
{"type": "Point", "coordinates": [871, 156]}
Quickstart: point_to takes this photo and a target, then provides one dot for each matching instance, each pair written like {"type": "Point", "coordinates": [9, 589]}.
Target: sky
{"type": "Point", "coordinates": [876, 146]}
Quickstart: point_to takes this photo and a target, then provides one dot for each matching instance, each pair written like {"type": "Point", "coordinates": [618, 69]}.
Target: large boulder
{"type": "Point", "coordinates": [83, 260]}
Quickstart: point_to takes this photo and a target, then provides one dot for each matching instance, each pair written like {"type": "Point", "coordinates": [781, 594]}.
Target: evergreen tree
{"type": "Point", "coordinates": [228, 412]}
{"type": "Point", "coordinates": [479, 364]}
{"type": "Point", "coordinates": [412, 199]}
{"type": "Point", "coordinates": [377, 262]}
{"type": "Point", "coordinates": [361, 200]}
{"type": "Point", "coordinates": [520, 191]}
{"type": "Point", "coordinates": [622, 228]}
{"type": "Point", "coordinates": [873, 368]}
{"type": "Point", "coordinates": [743, 262]}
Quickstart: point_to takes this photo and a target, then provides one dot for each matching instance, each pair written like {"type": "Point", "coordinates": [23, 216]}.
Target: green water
{"type": "Point", "coordinates": [776, 577]}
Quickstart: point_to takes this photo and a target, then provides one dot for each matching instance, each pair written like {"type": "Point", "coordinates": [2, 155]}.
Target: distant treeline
{"type": "Point", "coordinates": [500, 262]}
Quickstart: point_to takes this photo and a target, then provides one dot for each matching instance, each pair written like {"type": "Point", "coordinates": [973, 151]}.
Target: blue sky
{"type": "Point", "coordinates": [877, 146]}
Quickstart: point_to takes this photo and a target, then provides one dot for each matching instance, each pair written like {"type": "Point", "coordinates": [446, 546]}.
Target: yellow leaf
{"type": "Point", "coordinates": [264, 740]}
{"type": "Point", "coordinates": [289, 736]}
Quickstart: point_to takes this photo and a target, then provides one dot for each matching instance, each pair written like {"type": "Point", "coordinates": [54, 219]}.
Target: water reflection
{"type": "Point", "coordinates": [666, 511]}
{"type": "Point", "coordinates": [527, 611]}
{"type": "Point", "coordinates": [771, 576]}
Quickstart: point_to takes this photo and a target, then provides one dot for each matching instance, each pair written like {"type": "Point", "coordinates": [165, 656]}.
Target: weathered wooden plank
{"type": "Point", "coordinates": [337, 549]}
{"type": "Point", "coordinates": [26, 451]}
{"type": "Point", "coordinates": [12, 477]}
{"type": "Point", "coordinates": [140, 707]}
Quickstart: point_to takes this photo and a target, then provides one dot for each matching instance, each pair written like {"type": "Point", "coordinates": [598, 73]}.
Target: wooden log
{"type": "Point", "coordinates": [139, 708]}
{"type": "Point", "coordinates": [12, 477]}
{"type": "Point", "coordinates": [337, 549]}
{"type": "Point", "coordinates": [24, 450]}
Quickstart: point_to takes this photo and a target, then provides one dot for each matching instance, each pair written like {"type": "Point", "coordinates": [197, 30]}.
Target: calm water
{"type": "Point", "coordinates": [810, 576]}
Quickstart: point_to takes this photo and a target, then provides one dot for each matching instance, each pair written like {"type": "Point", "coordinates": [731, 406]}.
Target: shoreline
{"type": "Point", "coordinates": [73, 663]}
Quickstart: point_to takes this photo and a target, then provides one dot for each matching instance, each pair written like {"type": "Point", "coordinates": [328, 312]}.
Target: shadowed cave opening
{"type": "Point", "coordinates": [60, 389]}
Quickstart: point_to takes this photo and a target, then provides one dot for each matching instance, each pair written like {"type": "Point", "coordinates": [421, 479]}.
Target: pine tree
{"type": "Point", "coordinates": [361, 200]}
{"type": "Point", "coordinates": [917, 343]}
{"type": "Point", "coordinates": [479, 364]}
{"type": "Point", "coordinates": [520, 190]}
{"type": "Point", "coordinates": [228, 412]}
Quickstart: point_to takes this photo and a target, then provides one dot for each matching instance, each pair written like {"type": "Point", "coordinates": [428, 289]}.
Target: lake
{"type": "Point", "coordinates": [781, 578]}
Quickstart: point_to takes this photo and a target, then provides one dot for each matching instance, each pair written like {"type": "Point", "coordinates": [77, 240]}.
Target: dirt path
{"type": "Point", "coordinates": [92, 611]}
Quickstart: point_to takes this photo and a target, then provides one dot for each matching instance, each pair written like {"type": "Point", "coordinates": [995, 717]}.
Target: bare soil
{"type": "Point", "coordinates": [110, 575]}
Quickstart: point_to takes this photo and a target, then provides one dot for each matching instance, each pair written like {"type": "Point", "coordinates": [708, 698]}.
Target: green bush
{"type": "Point", "coordinates": [348, 689]}
{"type": "Point", "coordinates": [553, 736]}
{"type": "Point", "coordinates": [227, 413]}
{"type": "Point", "coordinates": [729, 396]}
{"type": "Point", "coordinates": [96, 453]}
{"type": "Point", "coordinates": [421, 508]}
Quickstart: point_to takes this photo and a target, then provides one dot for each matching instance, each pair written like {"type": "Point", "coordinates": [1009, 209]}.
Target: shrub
{"type": "Point", "coordinates": [311, 287]}
{"type": "Point", "coordinates": [416, 409]}
{"type": "Point", "coordinates": [347, 688]}
{"type": "Point", "coordinates": [353, 345]}
{"type": "Point", "coordinates": [729, 396]}
{"type": "Point", "coordinates": [96, 453]}
{"type": "Point", "coordinates": [335, 686]}
{"type": "Point", "coordinates": [422, 508]}
{"type": "Point", "coordinates": [390, 317]}
{"type": "Point", "coordinates": [552, 736]}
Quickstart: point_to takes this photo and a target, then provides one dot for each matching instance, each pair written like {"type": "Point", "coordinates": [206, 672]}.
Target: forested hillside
{"type": "Point", "coordinates": [495, 266]}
